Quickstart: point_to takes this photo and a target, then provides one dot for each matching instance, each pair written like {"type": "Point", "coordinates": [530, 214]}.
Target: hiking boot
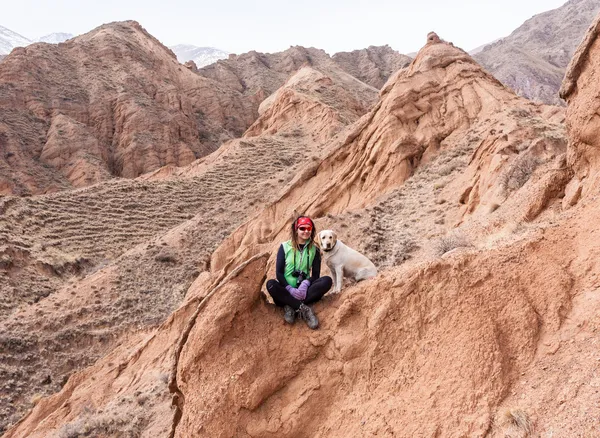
{"type": "Point", "coordinates": [309, 316]}
{"type": "Point", "coordinates": [289, 314]}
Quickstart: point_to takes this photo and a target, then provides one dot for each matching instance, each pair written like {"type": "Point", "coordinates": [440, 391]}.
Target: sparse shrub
{"type": "Point", "coordinates": [36, 398]}
{"type": "Point", "coordinates": [165, 257]}
{"type": "Point", "coordinates": [406, 246]}
{"type": "Point", "coordinates": [297, 132]}
{"type": "Point", "coordinates": [519, 173]}
{"type": "Point", "coordinates": [124, 420]}
{"type": "Point", "coordinates": [447, 170]}
{"type": "Point", "coordinates": [520, 113]}
{"type": "Point", "coordinates": [520, 419]}
{"type": "Point", "coordinates": [515, 422]}
{"type": "Point", "coordinates": [452, 241]}
{"type": "Point", "coordinates": [164, 377]}
{"type": "Point", "coordinates": [72, 430]}
{"type": "Point", "coordinates": [6, 261]}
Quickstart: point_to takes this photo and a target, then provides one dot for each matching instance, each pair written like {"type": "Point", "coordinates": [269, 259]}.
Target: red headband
{"type": "Point", "coordinates": [303, 220]}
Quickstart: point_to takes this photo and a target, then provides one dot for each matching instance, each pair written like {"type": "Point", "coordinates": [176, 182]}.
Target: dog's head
{"type": "Point", "coordinates": [328, 239]}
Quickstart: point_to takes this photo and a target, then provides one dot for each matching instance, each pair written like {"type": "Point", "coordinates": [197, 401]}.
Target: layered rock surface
{"type": "Point", "coordinates": [580, 90]}
{"type": "Point", "coordinates": [113, 102]}
{"type": "Point", "coordinates": [430, 347]}
{"type": "Point", "coordinates": [443, 101]}
{"type": "Point", "coordinates": [373, 65]}
{"type": "Point", "coordinates": [314, 103]}
{"type": "Point", "coordinates": [116, 103]}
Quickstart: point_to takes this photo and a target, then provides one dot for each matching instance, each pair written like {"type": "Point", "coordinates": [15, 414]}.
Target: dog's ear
{"type": "Point", "coordinates": [334, 236]}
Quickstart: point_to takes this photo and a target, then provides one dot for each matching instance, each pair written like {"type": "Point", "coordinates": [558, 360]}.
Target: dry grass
{"type": "Point", "coordinates": [36, 398]}
{"type": "Point", "coordinates": [519, 173]}
{"type": "Point", "coordinates": [449, 242]}
{"type": "Point", "coordinates": [515, 423]}
{"type": "Point", "coordinates": [127, 423]}
{"type": "Point", "coordinates": [519, 419]}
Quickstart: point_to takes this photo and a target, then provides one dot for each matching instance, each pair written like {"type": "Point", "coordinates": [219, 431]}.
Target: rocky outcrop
{"type": "Point", "coordinates": [119, 257]}
{"type": "Point", "coordinates": [373, 65]}
{"type": "Point", "coordinates": [259, 75]}
{"type": "Point", "coordinates": [312, 103]}
{"type": "Point", "coordinates": [580, 90]}
{"type": "Point", "coordinates": [113, 102]}
{"type": "Point", "coordinates": [385, 361]}
{"type": "Point", "coordinates": [443, 101]}
{"type": "Point", "coordinates": [532, 60]}
{"type": "Point", "coordinates": [46, 241]}
{"type": "Point", "coordinates": [137, 109]}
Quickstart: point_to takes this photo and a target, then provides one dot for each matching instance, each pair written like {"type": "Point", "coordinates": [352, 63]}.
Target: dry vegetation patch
{"type": "Point", "coordinates": [519, 172]}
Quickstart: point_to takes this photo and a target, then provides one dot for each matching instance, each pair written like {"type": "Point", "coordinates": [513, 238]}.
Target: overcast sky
{"type": "Point", "coordinates": [275, 25]}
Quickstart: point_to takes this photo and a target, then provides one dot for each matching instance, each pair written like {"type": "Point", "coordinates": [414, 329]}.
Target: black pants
{"type": "Point", "coordinates": [315, 292]}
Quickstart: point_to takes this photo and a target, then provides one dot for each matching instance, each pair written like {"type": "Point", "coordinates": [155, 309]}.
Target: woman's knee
{"type": "Point", "coordinates": [327, 282]}
{"type": "Point", "coordinates": [271, 284]}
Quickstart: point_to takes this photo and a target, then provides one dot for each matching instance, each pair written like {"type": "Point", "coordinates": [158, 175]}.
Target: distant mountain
{"type": "Point", "coordinates": [55, 38]}
{"type": "Point", "coordinates": [373, 65]}
{"type": "Point", "coordinates": [200, 55]}
{"type": "Point", "coordinates": [532, 60]}
{"type": "Point", "coordinates": [104, 108]}
{"type": "Point", "coordinates": [478, 49]}
{"type": "Point", "coordinates": [9, 40]}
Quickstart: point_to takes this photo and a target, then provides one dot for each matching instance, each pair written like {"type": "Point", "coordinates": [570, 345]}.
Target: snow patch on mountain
{"type": "Point", "coordinates": [9, 40]}
{"type": "Point", "coordinates": [55, 38]}
{"type": "Point", "coordinates": [200, 55]}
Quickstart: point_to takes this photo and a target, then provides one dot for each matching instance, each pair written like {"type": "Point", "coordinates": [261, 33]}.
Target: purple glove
{"type": "Point", "coordinates": [295, 292]}
{"type": "Point", "coordinates": [303, 288]}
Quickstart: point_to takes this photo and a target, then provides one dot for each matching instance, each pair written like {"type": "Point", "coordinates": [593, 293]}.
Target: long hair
{"type": "Point", "coordinates": [294, 234]}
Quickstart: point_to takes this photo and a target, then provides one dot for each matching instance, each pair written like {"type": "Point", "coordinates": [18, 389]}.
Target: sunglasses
{"type": "Point", "coordinates": [304, 228]}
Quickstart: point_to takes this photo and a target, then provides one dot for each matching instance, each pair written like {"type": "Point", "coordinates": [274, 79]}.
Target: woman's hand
{"type": "Point", "coordinates": [303, 288]}
{"type": "Point", "coordinates": [295, 292]}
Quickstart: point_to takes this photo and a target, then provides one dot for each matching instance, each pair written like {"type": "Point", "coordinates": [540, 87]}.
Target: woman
{"type": "Point", "coordinates": [295, 287]}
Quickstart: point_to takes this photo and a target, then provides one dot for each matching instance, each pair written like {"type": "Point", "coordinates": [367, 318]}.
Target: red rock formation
{"type": "Point", "coordinates": [580, 90]}
{"type": "Point", "coordinates": [442, 101]}
{"type": "Point", "coordinates": [45, 240]}
{"type": "Point", "coordinates": [192, 66]}
{"type": "Point", "coordinates": [260, 75]}
{"type": "Point", "coordinates": [255, 73]}
{"type": "Point", "coordinates": [315, 103]}
{"type": "Point", "coordinates": [373, 65]}
{"type": "Point", "coordinates": [113, 102]}
{"type": "Point", "coordinates": [419, 351]}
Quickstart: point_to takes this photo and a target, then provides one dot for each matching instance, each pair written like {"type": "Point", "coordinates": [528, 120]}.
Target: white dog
{"type": "Point", "coordinates": [343, 261]}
